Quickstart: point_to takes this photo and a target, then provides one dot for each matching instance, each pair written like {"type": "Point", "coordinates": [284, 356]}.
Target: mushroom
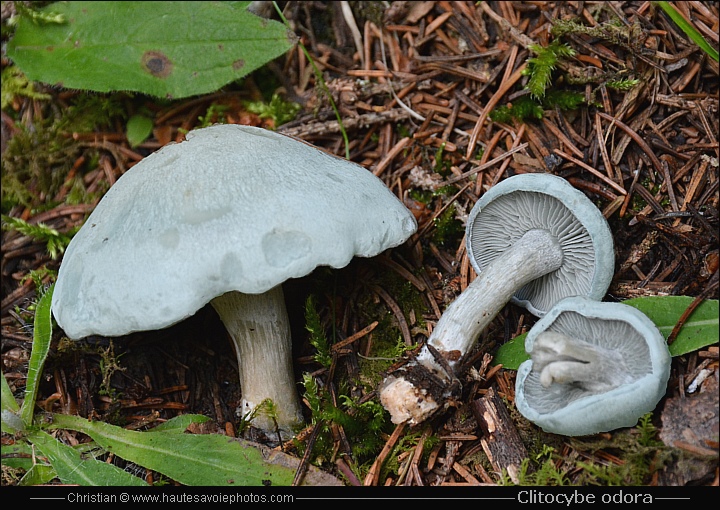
{"type": "Point", "coordinates": [593, 367]}
{"type": "Point", "coordinates": [224, 217]}
{"type": "Point", "coordinates": [532, 239]}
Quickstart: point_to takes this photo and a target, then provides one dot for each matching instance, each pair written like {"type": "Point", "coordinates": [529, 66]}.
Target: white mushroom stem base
{"type": "Point", "coordinates": [413, 394]}
{"type": "Point", "coordinates": [564, 360]}
{"type": "Point", "coordinates": [260, 329]}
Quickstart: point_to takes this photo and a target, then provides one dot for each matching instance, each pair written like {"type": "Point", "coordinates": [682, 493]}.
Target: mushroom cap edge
{"type": "Point", "coordinates": [100, 290]}
{"type": "Point", "coordinates": [617, 408]}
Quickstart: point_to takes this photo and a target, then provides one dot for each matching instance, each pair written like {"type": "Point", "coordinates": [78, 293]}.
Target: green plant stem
{"type": "Point", "coordinates": [321, 81]}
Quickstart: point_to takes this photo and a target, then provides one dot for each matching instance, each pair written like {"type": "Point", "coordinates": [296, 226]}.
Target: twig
{"type": "Point", "coordinates": [373, 475]}
{"type": "Point", "coordinates": [355, 336]}
{"type": "Point", "coordinates": [590, 169]}
{"type": "Point", "coordinates": [484, 166]}
{"type": "Point", "coordinates": [709, 289]}
{"type": "Point", "coordinates": [304, 462]}
{"type": "Point", "coordinates": [504, 87]}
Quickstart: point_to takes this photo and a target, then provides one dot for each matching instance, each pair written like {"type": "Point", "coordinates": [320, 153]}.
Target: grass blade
{"type": "Point", "coordinates": [42, 334]}
{"type": "Point", "coordinates": [689, 30]}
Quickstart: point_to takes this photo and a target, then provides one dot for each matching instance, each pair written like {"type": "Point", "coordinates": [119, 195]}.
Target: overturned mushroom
{"type": "Point", "coordinates": [224, 217]}
{"type": "Point", "coordinates": [532, 238]}
{"type": "Point", "coordinates": [594, 367]}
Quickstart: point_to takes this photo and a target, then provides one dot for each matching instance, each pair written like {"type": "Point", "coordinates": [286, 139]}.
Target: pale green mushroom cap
{"type": "Point", "coordinates": [638, 355]}
{"type": "Point", "coordinates": [233, 208]}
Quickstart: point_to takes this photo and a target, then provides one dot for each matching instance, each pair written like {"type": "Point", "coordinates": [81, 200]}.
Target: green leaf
{"type": "Point", "coordinates": [8, 400]}
{"type": "Point", "coordinates": [689, 29]}
{"type": "Point", "coordinates": [190, 459]}
{"type": "Point", "coordinates": [42, 334]}
{"type": "Point", "coordinates": [698, 331]}
{"type": "Point", "coordinates": [11, 422]}
{"type": "Point", "coordinates": [37, 474]}
{"type": "Point", "coordinates": [511, 354]}
{"type": "Point", "coordinates": [72, 468]}
{"type": "Point", "coordinates": [179, 424]}
{"type": "Point", "coordinates": [138, 129]}
{"type": "Point", "coordinates": [22, 455]}
{"type": "Point", "coordinates": [17, 455]}
{"type": "Point", "coordinates": [164, 49]}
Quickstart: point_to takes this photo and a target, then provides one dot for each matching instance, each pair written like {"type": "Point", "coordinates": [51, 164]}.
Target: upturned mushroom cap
{"type": "Point", "coordinates": [233, 208]}
{"type": "Point", "coordinates": [621, 357]}
{"type": "Point", "coordinates": [546, 202]}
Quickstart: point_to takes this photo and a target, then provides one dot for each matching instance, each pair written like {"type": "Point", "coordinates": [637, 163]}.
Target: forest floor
{"type": "Point", "coordinates": [419, 88]}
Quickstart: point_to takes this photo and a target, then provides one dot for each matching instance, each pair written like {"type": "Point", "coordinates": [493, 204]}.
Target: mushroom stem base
{"type": "Point", "coordinates": [260, 330]}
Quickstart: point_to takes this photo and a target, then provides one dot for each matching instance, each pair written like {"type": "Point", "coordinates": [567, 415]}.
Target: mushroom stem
{"type": "Point", "coordinates": [535, 254]}
{"type": "Point", "coordinates": [260, 330]}
{"type": "Point", "coordinates": [561, 359]}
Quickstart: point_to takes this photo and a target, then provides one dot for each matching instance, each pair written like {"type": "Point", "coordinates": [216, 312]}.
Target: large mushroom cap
{"type": "Point", "coordinates": [543, 201]}
{"type": "Point", "coordinates": [640, 358]}
{"type": "Point", "coordinates": [233, 208]}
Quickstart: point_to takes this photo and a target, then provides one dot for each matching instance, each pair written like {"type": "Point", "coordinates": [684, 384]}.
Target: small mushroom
{"type": "Point", "coordinates": [532, 239]}
{"type": "Point", "coordinates": [224, 218]}
{"type": "Point", "coordinates": [594, 367]}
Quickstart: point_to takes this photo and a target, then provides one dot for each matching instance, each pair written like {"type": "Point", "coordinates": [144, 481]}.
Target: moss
{"type": "Point", "coordinates": [640, 453]}
{"type": "Point", "coordinates": [276, 109]}
{"type": "Point", "coordinates": [403, 131]}
{"type": "Point", "coordinates": [447, 228]}
{"type": "Point", "coordinates": [546, 474]}
{"type": "Point", "coordinates": [54, 241]}
{"type": "Point", "coordinates": [14, 83]}
{"type": "Point", "coordinates": [78, 193]}
{"type": "Point", "coordinates": [317, 337]}
{"type": "Point", "coordinates": [35, 164]}
{"type": "Point", "coordinates": [521, 109]}
{"type": "Point", "coordinates": [37, 161]}
{"type": "Point", "coordinates": [406, 443]}
{"type": "Point", "coordinates": [422, 196]}
{"type": "Point", "coordinates": [442, 165]}
{"type": "Point", "coordinates": [388, 346]}
{"type": "Point", "coordinates": [528, 107]}
{"type": "Point", "coordinates": [541, 66]}
{"type": "Point", "coordinates": [215, 114]}
{"type": "Point", "coordinates": [615, 32]}
{"type": "Point", "coordinates": [39, 276]}
{"type": "Point", "coordinates": [88, 112]}
{"type": "Point", "coordinates": [371, 11]}
{"type": "Point", "coordinates": [364, 424]}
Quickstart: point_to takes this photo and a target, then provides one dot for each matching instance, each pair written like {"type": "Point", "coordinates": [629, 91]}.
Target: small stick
{"type": "Point", "coordinates": [691, 308]}
{"type": "Point", "coordinates": [374, 472]}
{"type": "Point", "coordinates": [501, 441]}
